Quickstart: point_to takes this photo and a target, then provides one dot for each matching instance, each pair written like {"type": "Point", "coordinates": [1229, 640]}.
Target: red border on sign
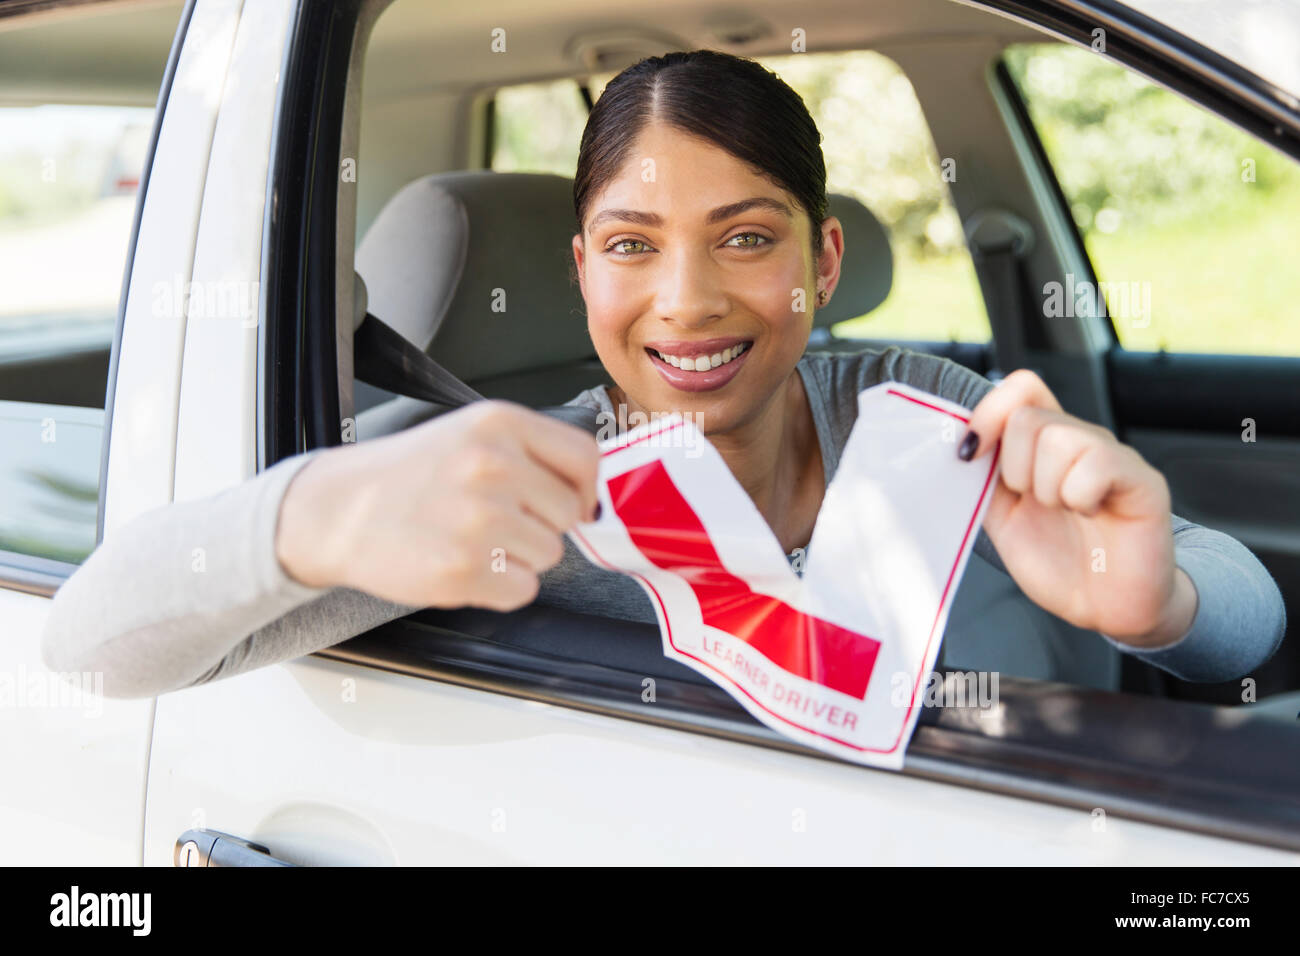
{"type": "Point", "coordinates": [943, 599]}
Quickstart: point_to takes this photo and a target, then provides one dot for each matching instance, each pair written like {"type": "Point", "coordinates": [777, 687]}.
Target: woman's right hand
{"type": "Point", "coordinates": [465, 509]}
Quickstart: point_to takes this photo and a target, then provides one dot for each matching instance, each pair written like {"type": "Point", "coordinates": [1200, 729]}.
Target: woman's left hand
{"type": "Point", "coordinates": [1080, 520]}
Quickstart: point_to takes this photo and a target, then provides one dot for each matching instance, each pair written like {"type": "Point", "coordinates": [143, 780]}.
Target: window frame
{"type": "Point", "coordinates": [1168, 58]}
{"type": "Point", "coordinates": [1026, 754]}
{"type": "Point", "coordinates": [299, 403]}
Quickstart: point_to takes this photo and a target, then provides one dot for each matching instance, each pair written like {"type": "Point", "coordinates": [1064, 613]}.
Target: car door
{"type": "Point", "coordinates": [76, 132]}
{"type": "Point", "coordinates": [546, 736]}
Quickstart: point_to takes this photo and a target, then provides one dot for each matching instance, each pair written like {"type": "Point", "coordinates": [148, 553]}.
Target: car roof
{"type": "Point", "coordinates": [449, 46]}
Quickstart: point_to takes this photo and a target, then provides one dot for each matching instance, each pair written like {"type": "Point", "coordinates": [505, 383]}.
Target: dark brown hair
{"type": "Point", "coordinates": [733, 102]}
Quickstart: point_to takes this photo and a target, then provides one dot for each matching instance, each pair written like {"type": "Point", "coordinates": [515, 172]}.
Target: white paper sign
{"type": "Point", "coordinates": [837, 660]}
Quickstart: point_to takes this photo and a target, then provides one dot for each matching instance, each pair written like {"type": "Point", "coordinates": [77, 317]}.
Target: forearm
{"type": "Point", "coordinates": [167, 597]}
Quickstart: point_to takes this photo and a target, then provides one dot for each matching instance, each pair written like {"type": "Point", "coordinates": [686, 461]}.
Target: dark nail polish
{"type": "Point", "coordinates": [968, 446]}
{"type": "Point", "coordinates": [596, 514]}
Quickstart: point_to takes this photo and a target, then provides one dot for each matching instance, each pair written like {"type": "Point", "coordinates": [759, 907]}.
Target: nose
{"type": "Point", "coordinates": [690, 293]}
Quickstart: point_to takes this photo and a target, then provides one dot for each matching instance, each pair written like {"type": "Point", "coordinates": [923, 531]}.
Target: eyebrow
{"type": "Point", "coordinates": [717, 215]}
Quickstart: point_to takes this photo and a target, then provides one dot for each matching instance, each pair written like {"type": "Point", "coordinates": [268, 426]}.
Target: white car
{"type": "Point", "coordinates": [292, 139]}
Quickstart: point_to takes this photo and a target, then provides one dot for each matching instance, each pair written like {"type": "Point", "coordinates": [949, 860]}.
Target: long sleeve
{"type": "Point", "coordinates": [1240, 616]}
{"type": "Point", "coordinates": [194, 591]}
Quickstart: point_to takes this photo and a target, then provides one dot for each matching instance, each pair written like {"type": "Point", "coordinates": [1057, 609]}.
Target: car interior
{"type": "Point", "coordinates": [437, 229]}
{"type": "Point", "coordinates": [433, 218]}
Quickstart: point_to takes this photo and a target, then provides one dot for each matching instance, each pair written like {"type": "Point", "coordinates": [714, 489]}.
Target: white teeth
{"type": "Point", "coordinates": [700, 363]}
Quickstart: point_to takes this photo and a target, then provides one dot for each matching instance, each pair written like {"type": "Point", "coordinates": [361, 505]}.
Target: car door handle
{"type": "Point", "coordinates": [214, 848]}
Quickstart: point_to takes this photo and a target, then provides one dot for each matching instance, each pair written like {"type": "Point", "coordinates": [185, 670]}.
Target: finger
{"type": "Point", "coordinates": [491, 525]}
{"type": "Point", "coordinates": [543, 493]}
{"type": "Point", "coordinates": [1019, 439]}
{"type": "Point", "coordinates": [989, 419]}
{"type": "Point", "coordinates": [1115, 476]}
{"type": "Point", "coordinates": [1022, 442]}
{"type": "Point", "coordinates": [512, 588]}
{"type": "Point", "coordinates": [1088, 482]}
{"type": "Point", "coordinates": [565, 449]}
{"type": "Point", "coordinates": [529, 541]}
{"type": "Point", "coordinates": [1059, 445]}
{"type": "Point", "coordinates": [1004, 499]}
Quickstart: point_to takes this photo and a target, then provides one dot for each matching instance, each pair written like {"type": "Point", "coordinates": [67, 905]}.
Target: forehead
{"type": "Point", "coordinates": [667, 166]}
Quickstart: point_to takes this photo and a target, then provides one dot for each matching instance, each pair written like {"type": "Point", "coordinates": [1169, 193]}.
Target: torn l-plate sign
{"type": "Point", "coordinates": [838, 659]}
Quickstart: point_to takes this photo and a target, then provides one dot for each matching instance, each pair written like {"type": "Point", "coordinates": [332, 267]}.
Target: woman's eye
{"type": "Point", "coordinates": [755, 238]}
{"type": "Point", "coordinates": [619, 245]}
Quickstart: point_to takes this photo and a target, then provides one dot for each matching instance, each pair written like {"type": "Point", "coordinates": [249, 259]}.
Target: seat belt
{"type": "Point", "coordinates": [386, 359]}
{"type": "Point", "coordinates": [999, 241]}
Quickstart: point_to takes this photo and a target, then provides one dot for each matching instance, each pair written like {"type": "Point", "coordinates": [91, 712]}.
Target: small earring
{"type": "Point", "coordinates": [821, 297]}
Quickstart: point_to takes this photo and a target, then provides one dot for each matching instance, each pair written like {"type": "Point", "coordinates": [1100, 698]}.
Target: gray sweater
{"type": "Point", "coordinates": [139, 612]}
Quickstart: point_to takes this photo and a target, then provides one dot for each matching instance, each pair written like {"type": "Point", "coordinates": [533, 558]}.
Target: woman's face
{"type": "Point", "coordinates": [690, 260]}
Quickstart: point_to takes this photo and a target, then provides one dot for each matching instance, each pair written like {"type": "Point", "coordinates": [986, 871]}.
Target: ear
{"type": "Point", "coordinates": [577, 261]}
{"type": "Point", "coordinates": [832, 257]}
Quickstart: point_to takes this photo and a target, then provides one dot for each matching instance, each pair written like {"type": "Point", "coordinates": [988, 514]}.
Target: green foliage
{"type": "Point", "coordinates": [1169, 195]}
{"type": "Point", "coordinates": [877, 145]}
{"type": "Point", "coordinates": [538, 128]}
{"type": "Point", "coordinates": [1143, 154]}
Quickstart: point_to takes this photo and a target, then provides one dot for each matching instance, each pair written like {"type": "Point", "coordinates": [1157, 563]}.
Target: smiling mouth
{"type": "Point", "coordinates": [702, 362]}
{"type": "Point", "coordinates": [693, 368]}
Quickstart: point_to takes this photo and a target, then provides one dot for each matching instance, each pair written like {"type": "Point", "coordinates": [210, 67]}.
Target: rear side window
{"type": "Point", "coordinates": [1190, 223]}
{"type": "Point", "coordinates": [878, 149]}
{"type": "Point", "coordinates": [68, 182]}
{"type": "Point", "coordinates": [536, 128]}
{"type": "Point", "coordinates": [70, 170]}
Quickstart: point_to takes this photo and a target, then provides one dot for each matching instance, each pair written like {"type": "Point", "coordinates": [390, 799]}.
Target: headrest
{"type": "Point", "coordinates": [473, 267]}
{"type": "Point", "coordinates": [867, 272]}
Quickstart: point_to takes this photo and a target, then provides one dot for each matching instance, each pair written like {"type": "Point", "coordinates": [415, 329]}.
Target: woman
{"type": "Point", "coordinates": [701, 209]}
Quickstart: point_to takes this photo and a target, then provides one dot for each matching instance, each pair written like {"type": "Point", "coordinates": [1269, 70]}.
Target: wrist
{"type": "Point", "coordinates": [1176, 620]}
{"type": "Point", "coordinates": [303, 540]}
